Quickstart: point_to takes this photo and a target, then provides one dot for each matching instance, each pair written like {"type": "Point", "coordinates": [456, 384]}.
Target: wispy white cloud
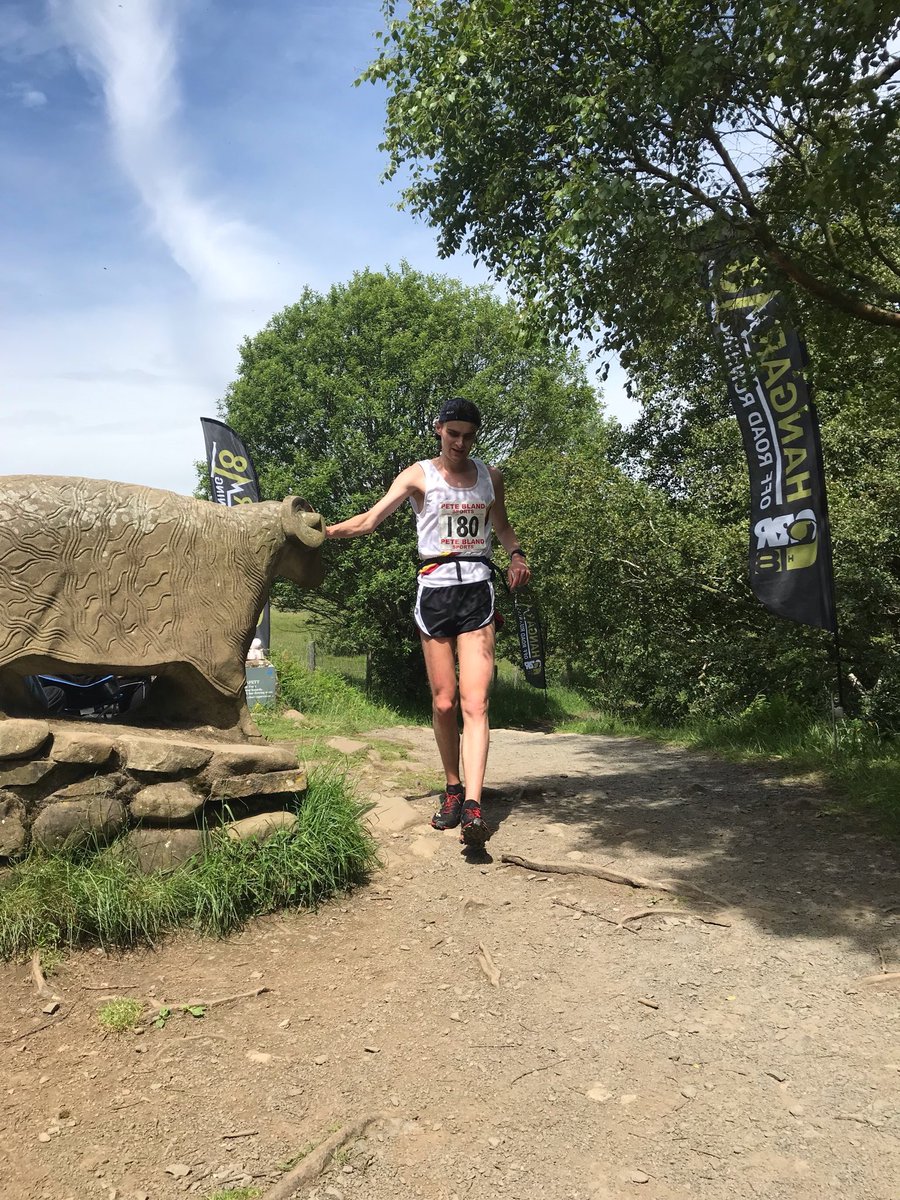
{"type": "Point", "coordinates": [132, 49]}
{"type": "Point", "coordinates": [32, 98]}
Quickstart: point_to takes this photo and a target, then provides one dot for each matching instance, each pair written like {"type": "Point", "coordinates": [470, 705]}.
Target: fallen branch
{"type": "Point", "coordinates": [672, 912]}
{"type": "Point", "coordinates": [533, 1071]}
{"type": "Point", "coordinates": [112, 988]}
{"type": "Point", "coordinates": [20, 1037]}
{"type": "Point", "coordinates": [158, 1006]}
{"type": "Point", "coordinates": [40, 979]}
{"type": "Point", "coordinates": [592, 912]}
{"type": "Point", "coordinates": [675, 887]}
{"type": "Point", "coordinates": [315, 1162]}
{"type": "Point", "coordinates": [890, 978]}
{"type": "Point", "coordinates": [487, 964]}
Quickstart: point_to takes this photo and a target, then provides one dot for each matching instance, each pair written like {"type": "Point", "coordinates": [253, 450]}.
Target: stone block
{"type": "Point", "coordinates": [76, 746]}
{"type": "Point", "coordinates": [77, 822]}
{"type": "Point", "coordinates": [21, 738]}
{"type": "Point", "coordinates": [95, 786]}
{"type": "Point", "coordinates": [239, 759]}
{"type": "Point", "coordinates": [21, 772]}
{"type": "Point", "coordinates": [160, 755]}
{"type": "Point", "coordinates": [261, 826]}
{"type": "Point", "coordinates": [345, 745]}
{"type": "Point", "coordinates": [270, 783]}
{"type": "Point", "coordinates": [166, 803]}
{"type": "Point", "coordinates": [392, 814]}
{"type": "Point", "coordinates": [12, 825]}
{"type": "Point", "coordinates": [162, 849]}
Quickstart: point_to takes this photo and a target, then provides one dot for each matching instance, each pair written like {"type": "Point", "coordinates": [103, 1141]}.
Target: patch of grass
{"type": "Point", "coordinates": [292, 633]}
{"type": "Point", "coordinates": [515, 704]}
{"type": "Point", "coordinates": [331, 703]}
{"type": "Point", "coordinates": [290, 1163]}
{"type": "Point", "coordinates": [119, 1016]}
{"type": "Point", "coordinates": [241, 1193]}
{"type": "Point", "coordinates": [69, 899]}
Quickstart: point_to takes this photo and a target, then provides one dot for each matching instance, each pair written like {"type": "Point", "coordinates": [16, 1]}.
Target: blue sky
{"type": "Point", "coordinates": [176, 171]}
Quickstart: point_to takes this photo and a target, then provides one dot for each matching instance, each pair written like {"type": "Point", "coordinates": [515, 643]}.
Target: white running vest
{"type": "Point", "coordinates": [454, 520]}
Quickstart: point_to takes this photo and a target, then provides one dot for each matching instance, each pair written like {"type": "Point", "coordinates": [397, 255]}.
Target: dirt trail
{"type": "Point", "coordinates": [666, 1058]}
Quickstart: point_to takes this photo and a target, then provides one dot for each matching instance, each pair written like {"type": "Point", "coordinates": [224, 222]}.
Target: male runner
{"type": "Point", "coordinates": [458, 503]}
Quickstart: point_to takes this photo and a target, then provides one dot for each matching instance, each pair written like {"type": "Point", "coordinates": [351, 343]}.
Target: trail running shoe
{"type": "Point", "coordinates": [474, 832]}
{"type": "Point", "coordinates": [447, 816]}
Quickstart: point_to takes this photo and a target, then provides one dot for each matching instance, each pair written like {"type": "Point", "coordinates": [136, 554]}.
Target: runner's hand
{"type": "Point", "coordinates": [518, 573]}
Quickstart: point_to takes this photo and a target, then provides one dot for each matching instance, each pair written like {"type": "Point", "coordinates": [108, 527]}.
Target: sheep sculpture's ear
{"type": "Point", "coordinates": [301, 522]}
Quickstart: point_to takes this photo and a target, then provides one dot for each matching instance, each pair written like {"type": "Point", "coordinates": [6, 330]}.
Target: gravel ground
{"type": "Point", "coordinates": [717, 1049]}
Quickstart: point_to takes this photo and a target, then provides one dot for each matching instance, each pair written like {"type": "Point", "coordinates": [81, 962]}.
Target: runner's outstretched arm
{"type": "Point", "coordinates": [406, 484]}
{"type": "Point", "coordinates": [518, 572]}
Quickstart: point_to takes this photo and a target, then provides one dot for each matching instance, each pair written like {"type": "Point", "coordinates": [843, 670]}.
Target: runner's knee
{"type": "Point", "coordinates": [443, 704]}
{"type": "Point", "coordinates": [474, 707]}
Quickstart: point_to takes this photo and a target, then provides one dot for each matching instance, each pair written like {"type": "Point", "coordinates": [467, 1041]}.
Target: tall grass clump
{"type": "Point", "coordinates": [328, 697]}
{"type": "Point", "coordinates": [515, 704]}
{"type": "Point", "coordinates": [88, 897]}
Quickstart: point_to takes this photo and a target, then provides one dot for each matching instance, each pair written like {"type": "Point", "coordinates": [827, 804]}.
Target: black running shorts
{"type": "Point", "coordinates": [448, 611]}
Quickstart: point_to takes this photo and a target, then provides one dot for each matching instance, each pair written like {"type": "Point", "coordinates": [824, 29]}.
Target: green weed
{"type": "Point", "coordinates": [241, 1193]}
{"type": "Point", "coordinates": [119, 1016]}
{"type": "Point", "coordinates": [69, 899]}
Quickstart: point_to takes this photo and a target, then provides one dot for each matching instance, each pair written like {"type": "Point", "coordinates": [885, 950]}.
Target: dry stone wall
{"type": "Point", "coordinates": [66, 784]}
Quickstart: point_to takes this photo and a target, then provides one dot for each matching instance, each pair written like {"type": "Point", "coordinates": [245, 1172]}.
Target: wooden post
{"type": "Point", "coordinates": [311, 656]}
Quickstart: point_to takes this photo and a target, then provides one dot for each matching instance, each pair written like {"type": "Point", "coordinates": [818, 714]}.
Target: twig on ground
{"type": "Point", "coordinates": [37, 1029]}
{"type": "Point", "coordinates": [487, 964]}
{"type": "Point", "coordinates": [315, 1162]}
{"type": "Point", "coordinates": [647, 1003]}
{"type": "Point", "coordinates": [591, 912]}
{"type": "Point", "coordinates": [890, 978]}
{"type": "Point", "coordinates": [672, 912]}
{"type": "Point", "coordinates": [534, 1070]}
{"type": "Point", "coordinates": [40, 979]}
{"type": "Point", "coordinates": [240, 1133]}
{"type": "Point", "coordinates": [157, 1006]}
{"type": "Point", "coordinates": [675, 887]}
{"type": "Point", "coordinates": [112, 988]}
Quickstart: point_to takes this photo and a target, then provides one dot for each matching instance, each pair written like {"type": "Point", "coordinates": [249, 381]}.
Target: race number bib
{"type": "Point", "coordinates": [463, 528]}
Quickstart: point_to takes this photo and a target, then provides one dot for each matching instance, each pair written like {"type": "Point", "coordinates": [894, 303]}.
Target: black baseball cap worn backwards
{"type": "Point", "coordinates": [457, 408]}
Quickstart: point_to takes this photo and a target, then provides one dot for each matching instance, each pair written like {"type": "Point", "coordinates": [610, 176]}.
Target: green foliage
{"type": "Point", "coordinates": [646, 605]}
{"type": "Point", "coordinates": [241, 1193]}
{"type": "Point", "coordinates": [686, 444]}
{"type": "Point", "coordinates": [74, 899]}
{"type": "Point", "coordinates": [339, 393]}
{"type": "Point", "coordinates": [584, 151]}
{"type": "Point", "coordinates": [119, 1015]}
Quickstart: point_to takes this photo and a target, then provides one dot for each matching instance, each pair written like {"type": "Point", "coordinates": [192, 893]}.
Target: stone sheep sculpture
{"type": "Point", "coordinates": [100, 577]}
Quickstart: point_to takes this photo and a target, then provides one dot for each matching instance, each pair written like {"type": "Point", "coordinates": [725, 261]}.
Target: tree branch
{"type": "Point", "coordinates": [882, 75]}
{"type": "Point", "coordinates": [739, 181]}
{"type": "Point", "coordinates": [834, 295]}
{"type": "Point", "coordinates": [822, 288]}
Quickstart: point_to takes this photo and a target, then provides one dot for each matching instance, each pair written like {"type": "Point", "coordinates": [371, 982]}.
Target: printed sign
{"type": "Point", "coordinates": [462, 528]}
{"type": "Point", "coordinates": [233, 480]}
{"type": "Point", "coordinates": [790, 545]}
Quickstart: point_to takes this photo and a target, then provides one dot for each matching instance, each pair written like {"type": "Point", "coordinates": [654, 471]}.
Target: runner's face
{"type": "Point", "coordinates": [457, 439]}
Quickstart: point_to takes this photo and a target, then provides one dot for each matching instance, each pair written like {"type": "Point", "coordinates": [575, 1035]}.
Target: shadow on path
{"type": "Point", "coordinates": [742, 833]}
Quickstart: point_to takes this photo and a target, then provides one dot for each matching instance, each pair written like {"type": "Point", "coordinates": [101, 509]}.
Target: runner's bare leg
{"type": "Point", "coordinates": [475, 653]}
{"type": "Point", "coordinates": [440, 664]}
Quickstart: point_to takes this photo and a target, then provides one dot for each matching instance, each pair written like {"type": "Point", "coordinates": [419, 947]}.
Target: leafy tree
{"type": "Point", "coordinates": [646, 602]}
{"type": "Point", "coordinates": [586, 150]}
{"type": "Point", "coordinates": [686, 443]}
{"type": "Point", "coordinates": [339, 392]}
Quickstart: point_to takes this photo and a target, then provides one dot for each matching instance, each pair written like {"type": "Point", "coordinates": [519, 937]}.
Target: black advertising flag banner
{"type": "Point", "coordinates": [790, 539]}
{"type": "Point", "coordinates": [531, 640]}
{"type": "Point", "coordinates": [232, 478]}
